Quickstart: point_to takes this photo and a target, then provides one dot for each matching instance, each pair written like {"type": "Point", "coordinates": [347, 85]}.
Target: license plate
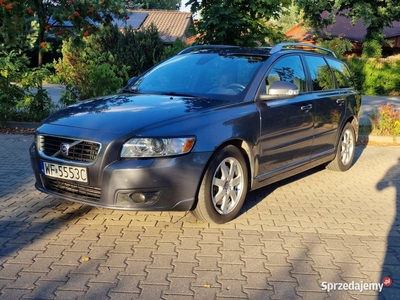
{"type": "Point", "coordinates": [64, 172]}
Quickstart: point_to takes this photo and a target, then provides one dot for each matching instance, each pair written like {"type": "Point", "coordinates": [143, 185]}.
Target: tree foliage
{"type": "Point", "coordinates": [338, 45]}
{"type": "Point", "coordinates": [88, 71]}
{"type": "Point", "coordinates": [153, 4]}
{"type": "Point", "coordinates": [11, 71]}
{"type": "Point", "coordinates": [375, 15]}
{"type": "Point", "coordinates": [107, 61]}
{"type": "Point", "coordinates": [27, 20]}
{"type": "Point", "coordinates": [237, 22]}
{"type": "Point", "coordinates": [139, 50]}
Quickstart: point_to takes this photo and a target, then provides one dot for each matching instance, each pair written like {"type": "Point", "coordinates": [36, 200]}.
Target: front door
{"type": "Point", "coordinates": [286, 124]}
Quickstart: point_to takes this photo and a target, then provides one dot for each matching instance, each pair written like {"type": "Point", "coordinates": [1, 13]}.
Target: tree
{"type": "Point", "coordinates": [237, 22]}
{"type": "Point", "coordinates": [55, 18]}
{"type": "Point", "coordinates": [153, 4]}
{"type": "Point", "coordinates": [375, 14]}
{"type": "Point", "coordinates": [88, 71]}
{"type": "Point", "coordinates": [288, 17]}
{"type": "Point", "coordinates": [140, 50]}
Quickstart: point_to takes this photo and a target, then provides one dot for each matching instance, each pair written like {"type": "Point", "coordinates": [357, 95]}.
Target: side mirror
{"type": "Point", "coordinates": [280, 90]}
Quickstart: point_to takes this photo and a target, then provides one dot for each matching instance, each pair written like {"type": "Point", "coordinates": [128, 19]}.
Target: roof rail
{"type": "Point", "coordinates": [281, 46]}
{"type": "Point", "coordinates": [207, 47]}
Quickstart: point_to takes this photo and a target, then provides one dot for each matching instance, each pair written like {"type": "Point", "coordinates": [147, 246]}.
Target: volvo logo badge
{"type": "Point", "coordinates": [64, 148]}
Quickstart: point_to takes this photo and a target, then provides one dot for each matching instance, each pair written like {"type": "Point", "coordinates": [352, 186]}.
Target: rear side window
{"type": "Point", "coordinates": [341, 72]}
{"type": "Point", "coordinates": [321, 75]}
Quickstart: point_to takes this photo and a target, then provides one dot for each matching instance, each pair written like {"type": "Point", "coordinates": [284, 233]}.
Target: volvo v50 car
{"type": "Point", "coordinates": [201, 129]}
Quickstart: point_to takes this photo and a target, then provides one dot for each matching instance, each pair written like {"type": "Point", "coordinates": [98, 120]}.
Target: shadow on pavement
{"type": "Point", "coordinates": [390, 275]}
{"type": "Point", "coordinates": [254, 197]}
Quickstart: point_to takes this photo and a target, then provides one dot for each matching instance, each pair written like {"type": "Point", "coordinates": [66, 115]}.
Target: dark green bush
{"type": "Point", "coordinates": [139, 50]}
{"type": "Point", "coordinates": [88, 71]}
{"type": "Point", "coordinates": [337, 45]}
{"type": "Point", "coordinates": [11, 72]}
{"type": "Point", "coordinates": [21, 95]}
{"type": "Point", "coordinates": [356, 66]}
{"type": "Point", "coordinates": [36, 104]}
{"type": "Point", "coordinates": [372, 49]}
{"type": "Point", "coordinates": [376, 76]}
{"type": "Point", "coordinates": [171, 50]}
{"type": "Point", "coordinates": [106, 61]}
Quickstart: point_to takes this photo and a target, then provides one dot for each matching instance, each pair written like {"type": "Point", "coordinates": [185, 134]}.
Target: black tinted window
{"type": "Point", "coordinates": [289, 68]}
{"type": "Point", "coordinates": [341, 72]}
{"type": "Point", "coordinates": [321, 74]}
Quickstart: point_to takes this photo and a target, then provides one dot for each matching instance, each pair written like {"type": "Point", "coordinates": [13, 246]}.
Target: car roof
{"type": "Point", "coordinates": [264, 51]}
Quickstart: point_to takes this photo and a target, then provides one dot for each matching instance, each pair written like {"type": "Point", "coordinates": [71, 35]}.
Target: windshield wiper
{"type": "Point", "coordinates": [124, 90]}
{"type": "Point", "coordinates": [177, 94]}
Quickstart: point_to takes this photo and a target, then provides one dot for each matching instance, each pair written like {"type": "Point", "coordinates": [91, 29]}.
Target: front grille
{"type": "Point", "coordinates": [68, 149]}
{"type": "Point", "coordinates": [75, 190]}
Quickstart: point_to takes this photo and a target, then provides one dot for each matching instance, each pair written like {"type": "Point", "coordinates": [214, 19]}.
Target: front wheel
{"type": "Point", "coordinates": [223, 188]}
{"type": "Point", "coordinates": [345, 150]}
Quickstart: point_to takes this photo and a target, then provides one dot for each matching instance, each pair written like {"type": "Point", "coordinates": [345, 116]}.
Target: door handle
{"type": "Point", "coordinates": [340, 101]}
{"type": "Point", "coordinates": [306, 107]}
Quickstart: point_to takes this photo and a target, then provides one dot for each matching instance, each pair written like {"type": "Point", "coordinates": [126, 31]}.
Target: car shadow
{"type": "Point", "coordinates": [255, 197]}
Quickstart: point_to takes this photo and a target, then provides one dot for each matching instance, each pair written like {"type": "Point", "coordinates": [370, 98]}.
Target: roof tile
{"type": "Point", "coordinates": [170, 24]}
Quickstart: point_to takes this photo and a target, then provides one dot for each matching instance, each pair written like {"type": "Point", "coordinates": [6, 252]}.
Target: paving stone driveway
{"type": "Point", "coordinates": [291, 240]}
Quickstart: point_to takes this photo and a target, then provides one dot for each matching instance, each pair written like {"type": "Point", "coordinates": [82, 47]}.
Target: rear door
{"type": "Point", "coordinates": [330, 104]}
{"type": "Point", "coordinates": [286, 124]}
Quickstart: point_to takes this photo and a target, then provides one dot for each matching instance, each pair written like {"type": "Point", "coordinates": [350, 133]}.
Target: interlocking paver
{"type": "Point", "coordinates": [76, 283]}
{"type": "Point", "coordinates": [291, 236]}
{"type": "Point", "coordinates": [45, 290]}
{"type": "Point", "coordinates": [152, 291]}
{"type": "Point", "coordinates": [180, 286]}
{"type": "Point", "coordinates": [183, 270]}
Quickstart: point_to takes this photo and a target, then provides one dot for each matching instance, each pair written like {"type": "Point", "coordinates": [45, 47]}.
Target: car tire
{"type": "Point", "coordinates": [223, 188]}
{"type": "Point", "coordinates": [345, 151]}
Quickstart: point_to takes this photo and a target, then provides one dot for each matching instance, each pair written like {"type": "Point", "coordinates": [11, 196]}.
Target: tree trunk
{"type": "Point", "coordinates": [40, 42]}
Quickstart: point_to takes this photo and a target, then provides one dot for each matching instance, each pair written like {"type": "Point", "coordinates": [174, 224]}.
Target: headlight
{"type": "Point", "coordinates": [152, 147]}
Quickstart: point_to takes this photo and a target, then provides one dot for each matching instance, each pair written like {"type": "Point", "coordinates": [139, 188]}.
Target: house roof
{"type": "Point", "coordinates": [342, 28]}
{"type": "Point", "coordinates": [170, 24]}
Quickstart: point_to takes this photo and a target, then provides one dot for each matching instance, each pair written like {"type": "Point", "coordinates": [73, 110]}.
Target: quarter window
{"type": "Point", "coordinates": [321, 75]}
{"type": "Point", "coordinates": [341, 72]}
{"type": "Point", "coordinates": [289, 68]}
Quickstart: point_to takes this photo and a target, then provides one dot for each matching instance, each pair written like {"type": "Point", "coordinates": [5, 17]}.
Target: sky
{"type": "Point", "coordinates": [183, 8]}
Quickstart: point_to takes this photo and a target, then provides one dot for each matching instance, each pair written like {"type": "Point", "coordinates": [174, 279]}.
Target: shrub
{"type": "Point", "coordinates": [381, 77]}
{"type": "Point", "coordinates": [337, 45]}
{"type": "Point", "coordinates": [11, 72]}
{"type": "Point", "coordinates": [177, 46]}
{"type": "Point", "coordinates": [106, 61]}
{"type": "Point", "coordinates": [376, 76]}
{"type": "Point", "coordinates": [386, 120]}
{"type": "Point", "coordinates": [36, 104]}
{"type": "Point", "coordinates": [88, 71]}
{"type": "Point", "coordinates": [139, 50]}
{"type": "Point", "coordinates": [372, 49]}
{"type": "Point", "coordinates": [356, 66]}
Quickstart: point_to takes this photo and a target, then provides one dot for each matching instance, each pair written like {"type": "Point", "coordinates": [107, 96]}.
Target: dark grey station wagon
{"type": "Point", "coordinates": [201, 129]}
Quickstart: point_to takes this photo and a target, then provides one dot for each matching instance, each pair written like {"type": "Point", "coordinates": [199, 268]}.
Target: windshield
{"type": "Point", "coordinates": [201, 74]}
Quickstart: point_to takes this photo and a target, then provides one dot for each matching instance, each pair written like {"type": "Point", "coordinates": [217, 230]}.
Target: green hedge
{"type": "Point", "coordinates": [376, 76]}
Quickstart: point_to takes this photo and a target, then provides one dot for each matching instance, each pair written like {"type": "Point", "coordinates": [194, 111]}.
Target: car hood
{"type": "Point", "coordinates": [129, 112]}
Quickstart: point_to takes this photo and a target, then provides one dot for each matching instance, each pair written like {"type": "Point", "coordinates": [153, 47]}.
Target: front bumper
{"type": "Point", "coordinates": [169, 183]}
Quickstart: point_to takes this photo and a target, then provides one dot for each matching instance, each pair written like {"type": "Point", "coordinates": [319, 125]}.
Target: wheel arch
{"type": "Point", "coordinates": [245, 149]}
{"type": "Point", "coordinates": [353, 122]}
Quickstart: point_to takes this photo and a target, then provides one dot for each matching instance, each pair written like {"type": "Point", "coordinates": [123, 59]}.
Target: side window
{"type": "Point", "coordinates": [321, 75]}
{"type": "Point", "coordinates": [289, 68]}
{"type": "Point", "coordinates": [341, 72]}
